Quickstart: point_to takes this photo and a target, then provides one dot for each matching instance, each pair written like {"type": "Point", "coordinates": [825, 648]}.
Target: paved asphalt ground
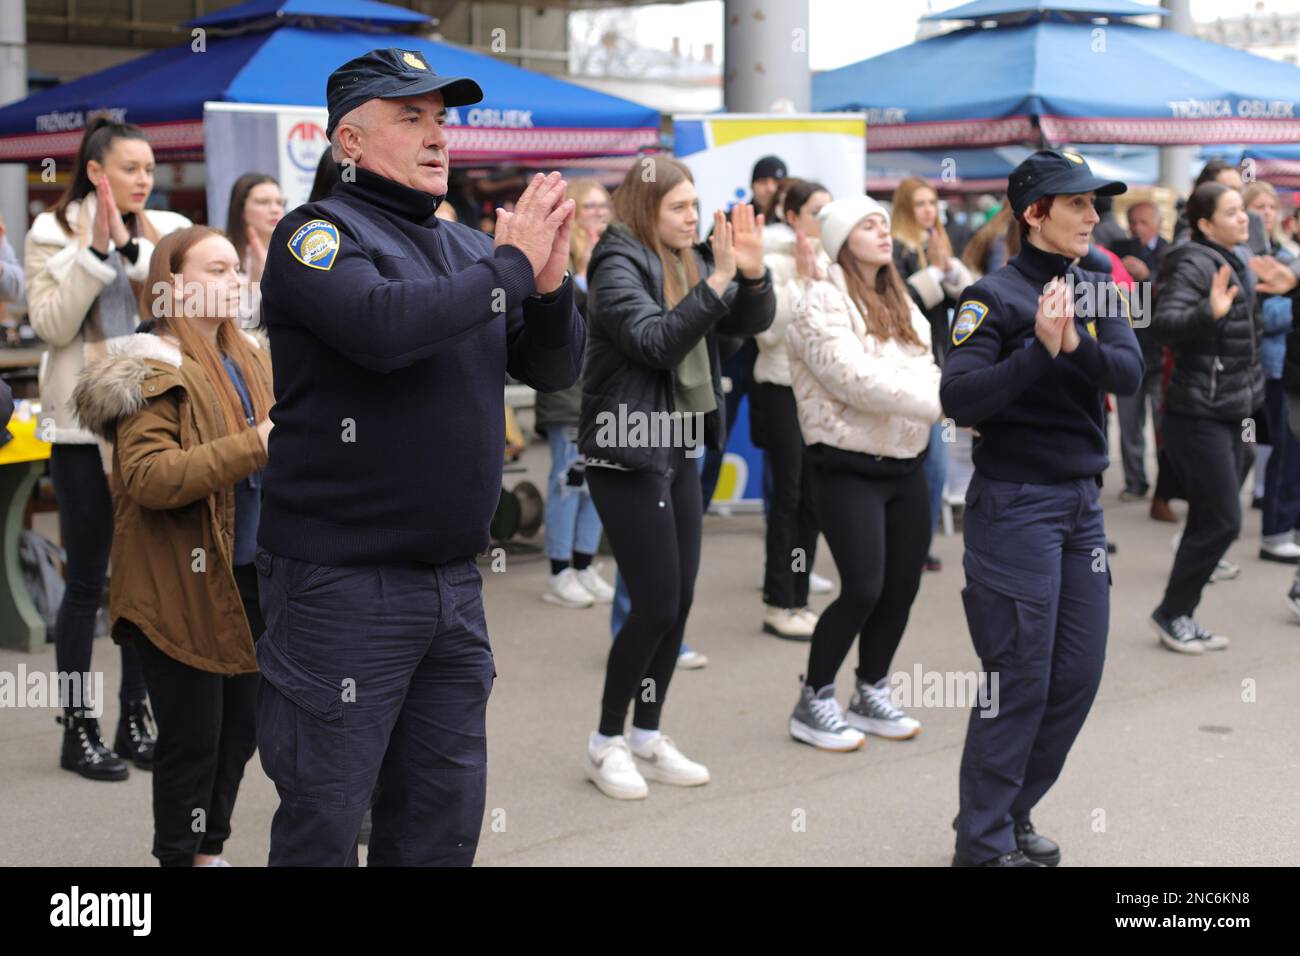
{"type": "Point", "coordinates": [1184, 761]}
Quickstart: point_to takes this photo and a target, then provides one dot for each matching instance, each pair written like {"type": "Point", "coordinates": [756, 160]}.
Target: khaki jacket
{"type": "Point", "coordinates": [174, 518]}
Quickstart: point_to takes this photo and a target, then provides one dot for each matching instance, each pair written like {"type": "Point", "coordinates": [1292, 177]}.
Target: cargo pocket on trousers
{"type": "Point", "coordinates": [1006, 607]}
{"type": "Point", "coordinates": [301, 733]}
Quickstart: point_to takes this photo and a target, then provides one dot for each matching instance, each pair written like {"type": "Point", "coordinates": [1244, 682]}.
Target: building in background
{"type": "Point", "coordinates": [1264, 32]}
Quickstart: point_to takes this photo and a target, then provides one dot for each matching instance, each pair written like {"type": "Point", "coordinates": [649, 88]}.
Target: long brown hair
{"type": "Point", "coordinates": [636, 205]}
{"type": "Point", "coordinates": [236, 224]}
{"type": "Point", "coordinates": [884, 303]}
{"type": "Point", "coordinates": [977, 251]}
{"type": "Point", "coordinates": [168, 261]}
{"type": "Point", "coordinates": [903, 217]}
{"type": "Point", "coordinates": [96, 143]}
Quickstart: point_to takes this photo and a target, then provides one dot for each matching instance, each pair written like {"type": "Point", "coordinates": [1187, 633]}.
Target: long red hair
{"type": "Point", "coordinates": [168, 262]}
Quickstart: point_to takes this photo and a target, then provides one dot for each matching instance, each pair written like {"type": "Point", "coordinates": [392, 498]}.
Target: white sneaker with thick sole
{"type": "Point", "coordinates": [613, 771]}
{"type": "Point", "coordinates": [601, 591]}
{"type": "Point", "coordinates": [566, 590]}
{"type": "Point", "coordinates": [809, 615]}
{"type": "Point", "coordinates": [660, 760]}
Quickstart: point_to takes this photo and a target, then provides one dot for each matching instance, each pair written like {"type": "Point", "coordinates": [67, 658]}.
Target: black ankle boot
{"type": "Point", "coordinates": [136, 736]}
{"type": "Point", "coordinates": [84, 752]}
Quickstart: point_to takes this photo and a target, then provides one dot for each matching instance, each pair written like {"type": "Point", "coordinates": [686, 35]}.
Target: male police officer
{"type": "Point", "coordinates": [391, 334]}
{"type": "Point", "coordinates": [1036, 345]}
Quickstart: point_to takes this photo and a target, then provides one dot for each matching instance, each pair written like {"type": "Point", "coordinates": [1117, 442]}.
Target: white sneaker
{"type": "Point", "coordinates": [661, 760]}
{"type": "Point", "coordinates": [601, 591]}
{"type": "Point", "coordinates": [809, 615]}
{"type": "Point", "coordinates": [1225, 570]}
{"type": "Point", "coordinates": [613, 771]}
{"type": "Point", "coordinates": [566, 590]}
{"type": "Point", "coordinates": [691, 660]}
{"type": "Point", "coordinates": [217, 862]}
{"type": "Point", "coordinates": [788, 623]}
{"type": "Point", "coordinates": [818, 584]}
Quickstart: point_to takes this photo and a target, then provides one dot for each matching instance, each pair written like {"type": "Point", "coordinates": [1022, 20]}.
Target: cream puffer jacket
{"type": "Point", "coordinates": [63, 280]}
{"type": "Point", "coordinates": [773, 362]}
{"type": "Point", "coordinates": [855, 391]}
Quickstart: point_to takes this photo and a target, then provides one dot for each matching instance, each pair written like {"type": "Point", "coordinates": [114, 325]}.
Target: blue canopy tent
{"type": "Point", "coordinates": [1043, 74]}
{"type": "Point", "coordinates": [986, 170]}
{"type": "Point", "coordinates": [281, 52]}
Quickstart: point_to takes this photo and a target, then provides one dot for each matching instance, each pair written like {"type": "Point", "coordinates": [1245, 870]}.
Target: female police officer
{"type": "Point", "coordinates": [1036, 345]}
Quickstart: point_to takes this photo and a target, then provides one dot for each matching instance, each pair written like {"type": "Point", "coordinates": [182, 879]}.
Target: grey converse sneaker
{"type": "Point", "coordinates": [817, 720]}
{"type": "Point", "coordinates": [1177, 634]}
{"type": "Point", "coordinates": [872, 712]}
{"type": "Point", "coordinates": [1208, 639]}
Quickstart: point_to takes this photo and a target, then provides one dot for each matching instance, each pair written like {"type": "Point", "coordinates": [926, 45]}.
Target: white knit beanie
{"type": "Point", "coordinates": [838, 217]}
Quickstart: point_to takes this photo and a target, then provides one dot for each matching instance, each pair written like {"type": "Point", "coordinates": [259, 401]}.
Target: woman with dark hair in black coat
{"type": "Point", "coordinates": [1205, 311]}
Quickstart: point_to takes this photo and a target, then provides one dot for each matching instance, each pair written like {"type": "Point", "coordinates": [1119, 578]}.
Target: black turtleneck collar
{"type": "Point", "coordinates": [380, 191]}
{"type": "Point", "coordinates": [1038, 264]}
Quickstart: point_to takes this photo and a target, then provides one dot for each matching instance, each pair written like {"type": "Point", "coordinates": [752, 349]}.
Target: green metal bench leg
{"type": "Point", "coordinates": [21, 628]}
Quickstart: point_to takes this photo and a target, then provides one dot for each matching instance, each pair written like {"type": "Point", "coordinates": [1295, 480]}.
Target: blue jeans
{"type": "Point", "coordinates": [936, 473]}
{"type": "Point", "coordinates": [570, 519]}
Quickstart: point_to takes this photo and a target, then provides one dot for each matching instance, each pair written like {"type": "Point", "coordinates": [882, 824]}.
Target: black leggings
{"type": "Point", "coordinates": [86, 529]}
{"type": "Point", "coordinates": [791, 521]}
{"type": "Point", "coordinates": [878, 530]}
{"type": "Point", "coordinates": [654, 527]}
{"type": "Point", "coordinates": [207, 731]}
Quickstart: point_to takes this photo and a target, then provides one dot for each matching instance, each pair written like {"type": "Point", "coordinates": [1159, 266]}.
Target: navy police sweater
{"type": "Point", "coordinates": [1040, 419]}
{"type": "Point", "coordinates": [391, 335]}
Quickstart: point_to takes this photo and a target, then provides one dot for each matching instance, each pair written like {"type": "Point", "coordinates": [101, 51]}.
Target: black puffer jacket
{"type": "Point", "coordinates": [634, 344]}
{"type": "Point", "coordinates": [1217, 369]}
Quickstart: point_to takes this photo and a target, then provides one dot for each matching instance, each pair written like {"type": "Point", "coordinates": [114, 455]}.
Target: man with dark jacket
{"type": "Point", "coordinates": [391, 335]}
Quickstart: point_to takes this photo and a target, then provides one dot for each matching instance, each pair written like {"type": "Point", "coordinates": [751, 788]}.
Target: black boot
{"type": "Point", "coordinates": [1036, 846]}
{"type": "Point", "coordinates": [136, 737]}
{"type": "Point", "coordinates": [84, 752]}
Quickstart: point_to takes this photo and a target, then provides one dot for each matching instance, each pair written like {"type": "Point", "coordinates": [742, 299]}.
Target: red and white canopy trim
{"type": "Point", "coordinates": [483, 144]}
{"type": "Point", "coordinates": [1014, 130]}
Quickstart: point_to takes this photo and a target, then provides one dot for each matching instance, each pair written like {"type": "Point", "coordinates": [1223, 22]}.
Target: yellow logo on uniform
{"type": "Point", "coordinates": [1072, 157]}
{"type": "Point", "coordinates": [969, 316]}
{"type": "Point", "coordinates": [413, 60]}
{"type": "Point", "coordinates": [315, 244]}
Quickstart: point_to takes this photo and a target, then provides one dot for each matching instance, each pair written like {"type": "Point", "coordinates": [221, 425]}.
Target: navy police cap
{"type": "Point", "coordinates": [390, 73]}
{"type": "Point", "coordinates": [1051, 172]}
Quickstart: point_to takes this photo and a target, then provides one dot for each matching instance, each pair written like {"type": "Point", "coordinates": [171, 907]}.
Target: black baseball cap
{"type": "Point", "coordinates": [1051, 172]}
{"type": "Point", "coordinates": [386, 74]}
{"type": "Point", "coordinates": [769, 167]}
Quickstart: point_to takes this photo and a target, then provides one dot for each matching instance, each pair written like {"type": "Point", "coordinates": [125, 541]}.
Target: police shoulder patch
{"type": "Point", "coordinates": [315, 244]}
{"type": "Point", "coordinates": [969, 316]}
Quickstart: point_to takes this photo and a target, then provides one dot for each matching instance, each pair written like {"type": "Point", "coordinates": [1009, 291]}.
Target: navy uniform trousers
{"type": "Point", "coordinates": [376, 673]}
{"type": "Point", "coordinates": [1037, 601]}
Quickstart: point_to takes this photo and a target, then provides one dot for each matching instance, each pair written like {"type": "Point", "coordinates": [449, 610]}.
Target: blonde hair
{"type": "Point", "coordinates": [580, 243]}
{"type": "Point", "coordinates": [636, 206]}
{"type": "Point", "coordinates": [905, 228]}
